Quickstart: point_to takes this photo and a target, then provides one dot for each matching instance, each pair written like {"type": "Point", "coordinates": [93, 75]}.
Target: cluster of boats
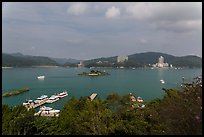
{"type": "Point", "coordinates": [56, 97]}
{"type": "Point", "coordinates": [44, 99]}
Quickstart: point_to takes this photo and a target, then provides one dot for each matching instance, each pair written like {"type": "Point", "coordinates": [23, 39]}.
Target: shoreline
{"type": "Point", "coordinates": [44, 66]}
{"type": "Point", "coordinates": [7, 67]}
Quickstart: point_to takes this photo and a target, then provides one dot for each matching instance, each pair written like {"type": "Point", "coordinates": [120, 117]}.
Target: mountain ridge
{"type": "Point", "coordinates": [134, 60]}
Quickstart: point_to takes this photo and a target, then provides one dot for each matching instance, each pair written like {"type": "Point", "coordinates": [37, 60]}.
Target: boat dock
{"type": "Point", "coordinates": [93, 95]}
{"type": "Point", "coordinates": [36, 105]}
{"type": "Point", "coordinates": [46, 114]}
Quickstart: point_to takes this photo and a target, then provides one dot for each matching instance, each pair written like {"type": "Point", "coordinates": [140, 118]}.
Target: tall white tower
{"type": "Point", "coordinates": [161, 60]}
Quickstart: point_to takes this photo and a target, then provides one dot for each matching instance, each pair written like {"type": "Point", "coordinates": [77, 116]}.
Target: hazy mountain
{"type": "Point", "coordinates": [63, 61]}
{"type": "Point", "coordinates": [20, 60]}
{"type": "Point", "coordinates": [134, 60]}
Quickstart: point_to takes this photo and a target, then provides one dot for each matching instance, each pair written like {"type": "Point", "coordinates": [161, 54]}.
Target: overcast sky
{"type": "Point", "coordinates": [101, 29]}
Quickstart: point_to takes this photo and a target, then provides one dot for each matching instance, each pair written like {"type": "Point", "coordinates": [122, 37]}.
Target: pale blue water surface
{"type": "Point", "coordinates": [144, 82]}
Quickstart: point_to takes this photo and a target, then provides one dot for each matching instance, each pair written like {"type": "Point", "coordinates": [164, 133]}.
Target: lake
{"type": "Point", "coordinates": [144, 82]}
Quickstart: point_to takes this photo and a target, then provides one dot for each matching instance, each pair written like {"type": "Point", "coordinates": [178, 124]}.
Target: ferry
{"type": "Point", "coordinates": [62, 94]}
{"type": "Point", "coordinates": [41, 99]}
{"type": "Point", "coordinates": [52, 99]}
{"type": "Point", "coordinates": [41, 77]}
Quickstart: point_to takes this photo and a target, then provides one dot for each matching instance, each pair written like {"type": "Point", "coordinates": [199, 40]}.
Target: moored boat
{"type": "Point", "coordinates": [62, 94]}
{"type": "Point", "coordinates": [41, 98]}
{"type": "Point", "coordinates": [52, 99]}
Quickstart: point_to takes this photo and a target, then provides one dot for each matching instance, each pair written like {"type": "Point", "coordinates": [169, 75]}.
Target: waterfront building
{"type": "Point", "coordinates": [161, 63]}
{"type": "Point", "coordinates": [121, 59]}
{"type": "Point", "coordinates": [81, 64]}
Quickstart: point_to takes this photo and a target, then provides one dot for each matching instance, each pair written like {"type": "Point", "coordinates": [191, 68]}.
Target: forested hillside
{"type": "Point", "coordinates": [25, 61]}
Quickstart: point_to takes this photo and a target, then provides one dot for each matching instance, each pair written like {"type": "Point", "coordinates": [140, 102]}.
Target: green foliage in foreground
{"type": "Point", "coordinates": [178, 113]}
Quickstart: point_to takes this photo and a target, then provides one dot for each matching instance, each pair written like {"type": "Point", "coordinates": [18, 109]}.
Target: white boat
{"type": "Point", "coordinates": [52, 99]}
{"type": "Point", "coordinates": [139, 99]}
{"type": "Point", "coordinates": [48, 110]}
{"type": "Point", "coordinates": [28, 102]}
{"type": "Point", "coordinates": [162, 81]}
{"type": "Point", "coordinates": [41, 98]}
{"type": "Point", "coordinates": [51, 111]}
{"type": "Point", "coordinates": [41, 77]}
{"type": "Point", "coordinates": [44, 108]}
{"type": "Point", "coordinates": [62, 94]}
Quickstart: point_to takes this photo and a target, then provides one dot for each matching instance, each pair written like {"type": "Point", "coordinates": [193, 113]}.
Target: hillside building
{"type": "Point", "coordinates": [161, 63]}
{"type": "Point", "coordinates": [121, 59]}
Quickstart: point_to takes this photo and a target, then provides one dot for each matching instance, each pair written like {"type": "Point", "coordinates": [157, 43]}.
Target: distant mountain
{"type": "Point", "coordinates": [143, 59]}
{"type": "Point", "coordinates": [134, 60]}
{"type": "Point", "coordinates": [149, 57]}
{"type": "Point", "coordinates": [63, 61]}
{"type": "Point", "coordinates": [20, 60]}
{"type": "Point", "coordinates": [187, 61]}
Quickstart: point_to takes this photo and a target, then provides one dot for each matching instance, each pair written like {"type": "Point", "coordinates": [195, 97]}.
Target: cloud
{"type": "Point", "coordinates": [77, 8]}
{"type": "Point", "coordinates": [139, 10]}
{"type": "Point", "coordinates": [113, 12]}
{"type": "Point", "coordinates": [165, 11]}
{"type": "Point", "coordinates": [178, 26]}
{"type": "Point", "coordinates": [168, 16]}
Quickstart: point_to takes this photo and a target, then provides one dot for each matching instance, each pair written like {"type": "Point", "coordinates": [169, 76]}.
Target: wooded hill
{"type": "Point", "coordinates": [134, 60]}
{"type": "Point", "coordinates": [143, 59]}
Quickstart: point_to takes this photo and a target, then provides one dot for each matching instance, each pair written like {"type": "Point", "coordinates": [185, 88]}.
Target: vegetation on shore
{"type": "Point", "coordinates": [94, 73]}
{"type": "Point", "coordinates": [179, 112]}
{"type": "Point", "coordinates": [16, 92]}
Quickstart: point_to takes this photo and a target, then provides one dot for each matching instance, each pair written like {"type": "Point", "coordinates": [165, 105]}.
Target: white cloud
{"type": "Point", "coordinates": [178, 26]}
{"type": "Point", "coordinates": [164, 10]}
{"type": "Point", "coordinates": [113, 12]}
{"type": "Point", "coordinates": [77, 8]}
{"type": "Point", "coordinates": [139, 10]}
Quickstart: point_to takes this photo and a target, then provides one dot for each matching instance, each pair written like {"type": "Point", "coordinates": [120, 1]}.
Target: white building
{"type": "Point", "coordinates": [81, 64]}
{"type": "Point", "coordinates": [121, 59]}
{"type": "Point", "coordinates": [161, 63]}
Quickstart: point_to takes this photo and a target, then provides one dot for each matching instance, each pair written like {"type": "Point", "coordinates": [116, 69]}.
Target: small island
{"type": "Point", "coordinates": [94, 73]}
{"type": "Point", "coordinates": [15, 92]}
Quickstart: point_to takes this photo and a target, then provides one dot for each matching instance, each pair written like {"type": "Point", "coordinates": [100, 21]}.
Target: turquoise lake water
{"type": "Point", "coordinates": [144, 82]}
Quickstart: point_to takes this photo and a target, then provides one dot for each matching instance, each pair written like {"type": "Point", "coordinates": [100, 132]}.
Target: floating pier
{"type": "Point", "coordinates": [93, 95]}
{"type": "Point", "coordinates": [36, 105]}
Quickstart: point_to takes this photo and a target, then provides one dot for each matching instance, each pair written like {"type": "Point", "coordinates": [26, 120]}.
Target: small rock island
{"type": "Point", "coordinates": [15, 92]}
{"type": "Point", "coordinates": [94, 73]}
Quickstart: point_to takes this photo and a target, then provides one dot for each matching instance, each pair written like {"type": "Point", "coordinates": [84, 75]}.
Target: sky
{"type": "Point", "coordinates": [101, 29]}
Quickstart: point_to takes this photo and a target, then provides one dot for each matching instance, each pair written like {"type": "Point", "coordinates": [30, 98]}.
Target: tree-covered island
{"type": "Point", "coordinates": [94, 73]}
{"type": "Point", "coordinates": [16, 92]}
